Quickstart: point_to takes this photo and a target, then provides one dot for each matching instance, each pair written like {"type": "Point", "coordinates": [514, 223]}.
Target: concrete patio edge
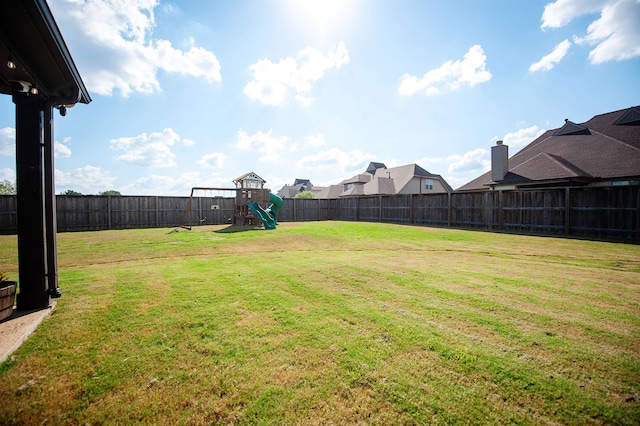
{"type": "Point", "coordinates": [16, 329]}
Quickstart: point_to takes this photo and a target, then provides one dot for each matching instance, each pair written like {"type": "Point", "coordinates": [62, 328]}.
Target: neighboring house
{"type": "Point", "coordinates": [604, 151]}
{"type": "Point", "coordinates": [299, 185]}
{"type": "Point", "coordinates": [249, 180]}
{"type": "Point", "coordinates": [379, 180]}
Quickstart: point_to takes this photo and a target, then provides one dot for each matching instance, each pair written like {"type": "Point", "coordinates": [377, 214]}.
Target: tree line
{"type": "Point", "coordinates": [9, 188]}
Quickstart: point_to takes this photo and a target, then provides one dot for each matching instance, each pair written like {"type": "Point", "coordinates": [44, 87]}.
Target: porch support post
{"type": "Point", "coordinates": [32, 240]}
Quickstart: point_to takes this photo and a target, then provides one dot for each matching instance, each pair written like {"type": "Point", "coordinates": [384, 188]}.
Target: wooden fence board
{"type": "Point", "coordinates": [475, 210]}
{"type": "Point", "coordinates": [395, 209]}
{"type": "Point", "coordinates": [8, 214]}
{"type": "Point", "coordinates": [612, 212]}
{"type": "Point", "coordinates": [82, 213]}
{"type": "Point", "coordinates": [430, 210]}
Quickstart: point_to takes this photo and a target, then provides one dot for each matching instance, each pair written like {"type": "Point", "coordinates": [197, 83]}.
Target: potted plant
{"type": "Point", "coordinates": [7, 296]}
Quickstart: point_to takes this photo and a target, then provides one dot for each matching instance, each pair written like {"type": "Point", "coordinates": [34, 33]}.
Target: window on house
{"type": "Point", "coordinates": [347, 186]}
{"type": "Point", "coordinates": [625, 182]}
{"type": "Point", "coordinates": [428, 184]}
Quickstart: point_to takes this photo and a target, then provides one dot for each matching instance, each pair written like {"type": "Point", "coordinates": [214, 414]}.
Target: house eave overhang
{"type": "Point", "coordinates": [29, 33]}
{"type": "Point", "coordinates": [575, 181]}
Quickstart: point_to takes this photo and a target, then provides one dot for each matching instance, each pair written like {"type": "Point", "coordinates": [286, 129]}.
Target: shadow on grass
{"type": "Point", "coordinates": [237, 228]}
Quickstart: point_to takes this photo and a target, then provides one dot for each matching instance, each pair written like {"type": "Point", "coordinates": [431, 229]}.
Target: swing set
{"type": "Point", "coordinates": [210, 206]}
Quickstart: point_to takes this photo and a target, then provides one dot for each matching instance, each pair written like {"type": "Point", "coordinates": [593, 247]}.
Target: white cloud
{"type": "Point", "coordinates": [316, 140]}
{"type": "Point", "coordinates": [459, 169]}
{"type": "Point", "coordinates": [451, 75]}
{"type": "Point", "coordinates": [549, 61]}
{"type": "Point", "coordinates": [273, 83]}
{"type": "Point", "coordinates": [345, 161]}
{"type": "Point", "coordinates": [8, 174]}
{"type": "Point", "coordinates": [275, 182]}
{"type": "Point", "coordinates": [263, 143]}
{"type": "Point", "coordinates": [615, 35]}
{"type": "Point", "coordinates": [152, 150]}
{"type": "Point", "coordinates": [522, 137]}
{"type": "Point", "coordinates": [115, 49]}
{"type": "Point", "coordinates": [8, 141]}
{"type": "Point", "coordinates": [560, 12]}
{"type": "Point", "coordinates": [60, 150]}
{"type": "Point", "coordinates": [8, 144]}
{"type": "Point", "coordinates": [214, 160]}
{"type": "Point", "coordinates": [475, 161]}
{"type": "Point", "coordinates": [178, 186]}
{"type": "Point", "coordinates": [87, 180]}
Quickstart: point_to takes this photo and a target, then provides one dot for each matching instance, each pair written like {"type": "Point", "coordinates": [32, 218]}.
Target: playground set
{"type": "Point", "coordinates": [254, 205]}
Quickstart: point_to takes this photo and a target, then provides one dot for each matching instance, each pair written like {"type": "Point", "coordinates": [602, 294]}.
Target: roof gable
{"type": "Point", "coordinates": [373, 167]}
{"type": "Point", "coordinates": [249, 176]}
{"type": "Point", "coordinates": [379, 186]}
{"type": "Point", "coordinates": [354, 190]}
{"type": "Point", "coordinates": [402, 175]}
{"type": "Point", "coordinates": [364, 178]}
{"type": "Point", "coordinates": [571, 128]}
{"type": "Point", "coordinates": [630, 117]}
{"type": "Point", "coordinates": [545, 166]}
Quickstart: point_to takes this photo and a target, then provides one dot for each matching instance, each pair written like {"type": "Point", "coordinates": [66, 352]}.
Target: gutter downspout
{"type": "Point", "coordinates": [51, 225]}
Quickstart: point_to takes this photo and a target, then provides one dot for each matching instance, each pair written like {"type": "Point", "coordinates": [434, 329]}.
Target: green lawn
{"type": "Point", "coordinates": [331, 323]}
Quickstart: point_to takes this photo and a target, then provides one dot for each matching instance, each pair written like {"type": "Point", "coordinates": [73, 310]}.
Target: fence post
{"type": "Point", "coordinates": [157, 214]}
{"type": "Point", "coordinates": [109, 211]}
{"type": "Point", "coordinates": [380, 208]}
{"type": "Point", "coordinates": [567, 211]}
{"type": "Point", "coordinates": [449, 209]}
{"type": "Point", "coordinates": [500, 210]}
{"type": "Point", "coordinates": [411, 209]}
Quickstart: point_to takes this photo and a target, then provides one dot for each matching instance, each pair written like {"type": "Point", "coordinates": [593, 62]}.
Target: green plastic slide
{"type": "Point", "coordinates": [267, 216]}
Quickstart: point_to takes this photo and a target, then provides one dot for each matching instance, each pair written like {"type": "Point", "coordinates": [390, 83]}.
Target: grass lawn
{"type": "Point", "coordinates": [331, 323]}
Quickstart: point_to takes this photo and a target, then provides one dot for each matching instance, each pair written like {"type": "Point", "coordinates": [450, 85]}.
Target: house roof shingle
{"type": "Point", "coordinates": [363, 178]}
{"type": "Point", "coordinates": [402, 175]}
{"type": "Point", "coordinates": [600, 148]}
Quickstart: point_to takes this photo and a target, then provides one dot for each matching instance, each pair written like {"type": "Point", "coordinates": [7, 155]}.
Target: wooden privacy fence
{"type": "Point", "coordinates": [584, 212]}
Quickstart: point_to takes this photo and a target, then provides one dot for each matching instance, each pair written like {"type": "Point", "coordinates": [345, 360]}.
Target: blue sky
{"type": "Point", "coordinates": [197, 93]}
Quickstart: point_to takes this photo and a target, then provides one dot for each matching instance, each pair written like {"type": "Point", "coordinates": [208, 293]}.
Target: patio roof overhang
{"type": "Point", "coordinates": [30, 36]}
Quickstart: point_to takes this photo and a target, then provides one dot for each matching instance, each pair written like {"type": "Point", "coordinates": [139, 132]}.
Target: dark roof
{"type": "Point", "coordinates": [29, 33]}
{"type": "Point", "coordinates": [605, 147]}
{"type": "Point", "coordinates": [571, 128]}
{"type": "Point", "coordinates": [302, 182]}
{"type": "Point", "coordinates": [373, 166]}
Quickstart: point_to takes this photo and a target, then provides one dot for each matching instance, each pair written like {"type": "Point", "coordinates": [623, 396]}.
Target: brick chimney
{"type": "Point", "coordinates": [499, 161]}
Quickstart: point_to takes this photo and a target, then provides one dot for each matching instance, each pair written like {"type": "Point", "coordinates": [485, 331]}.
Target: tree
{"type": "Point", "coordinates": [7, 188]}
{"type": "Point", "coordinates": [71, 192]}
{"type": "Point", "coordinates": [305, 194]}
{"type": "Point", "coordinates": [110, 192]}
